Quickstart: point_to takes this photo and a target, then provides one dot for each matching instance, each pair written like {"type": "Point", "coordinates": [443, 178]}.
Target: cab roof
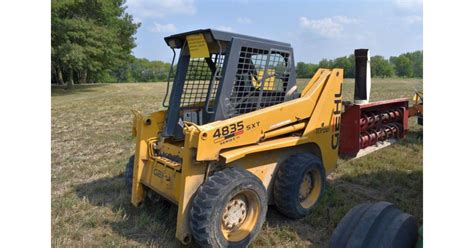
{"type": "Point", "coordinates": [177, 40]}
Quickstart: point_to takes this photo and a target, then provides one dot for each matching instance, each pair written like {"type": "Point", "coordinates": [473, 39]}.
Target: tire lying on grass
{"type": "Point", "coordinates": [378, 224]}
{"type": "Point", "coordinates": [228, 209]}
{"type": "Point", "coordinates": [299, 185]}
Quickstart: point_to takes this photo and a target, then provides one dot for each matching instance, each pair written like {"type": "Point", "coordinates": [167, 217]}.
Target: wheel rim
{"type": "Point", "coordinates": [240, 215]}
{"type": "Point", "coordinates": [310, 188]}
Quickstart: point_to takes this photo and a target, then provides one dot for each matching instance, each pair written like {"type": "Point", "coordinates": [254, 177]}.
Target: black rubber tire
{"type": "Point", "coordinates": [128, 174]}
{"type": "Point", "coordinates": [210, 200]}
{"type": "Point", "coordinates": [374, 225]}
{"type": "Point", "coordinates": [288, 180]}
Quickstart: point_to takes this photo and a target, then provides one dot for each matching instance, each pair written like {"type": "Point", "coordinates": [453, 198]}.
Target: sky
{"type": "Point", "coordinates": [315, 29]}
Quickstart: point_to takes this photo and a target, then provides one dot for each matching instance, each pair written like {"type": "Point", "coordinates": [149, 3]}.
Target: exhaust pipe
{"type": "Point", "coordinates": [362, 76]}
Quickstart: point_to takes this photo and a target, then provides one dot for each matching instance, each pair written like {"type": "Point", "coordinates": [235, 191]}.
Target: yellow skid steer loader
{"type": "Point", "coordinates": [236, 136]}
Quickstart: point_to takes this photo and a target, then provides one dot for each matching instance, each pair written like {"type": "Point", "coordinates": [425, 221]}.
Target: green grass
{"type": "Point", "coordinates": [91, 143]}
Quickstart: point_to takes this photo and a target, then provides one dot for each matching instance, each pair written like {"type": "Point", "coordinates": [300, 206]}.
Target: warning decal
{"type": "Point", "coordinates": [197, 46]}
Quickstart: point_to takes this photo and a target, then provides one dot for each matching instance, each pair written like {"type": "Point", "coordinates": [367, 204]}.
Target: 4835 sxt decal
{"type": "Point", "coordinates": [232, 131]}
{"type": "Point", "coordinates": [228, 133]}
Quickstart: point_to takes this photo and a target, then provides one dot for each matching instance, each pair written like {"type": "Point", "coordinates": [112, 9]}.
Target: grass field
{"type": "Point", "coordinates": [91, 142]}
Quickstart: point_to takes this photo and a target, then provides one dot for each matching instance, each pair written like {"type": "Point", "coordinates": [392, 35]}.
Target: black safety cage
{"type": "Point", "coordinates": [201, 82]}
{"type": "Point", "coordinates": [241, 75]}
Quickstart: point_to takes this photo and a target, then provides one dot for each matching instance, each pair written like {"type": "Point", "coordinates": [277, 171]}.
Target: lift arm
{"type": "Point", "coordinates": [254, 127]}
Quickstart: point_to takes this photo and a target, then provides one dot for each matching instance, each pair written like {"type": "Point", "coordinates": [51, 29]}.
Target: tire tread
{"type": "Point", "coordinates": [373, 225]}
{"type": "Point", "coordinates": [205, 198]}
{"type": "Point", "coordinates": [283, 191]}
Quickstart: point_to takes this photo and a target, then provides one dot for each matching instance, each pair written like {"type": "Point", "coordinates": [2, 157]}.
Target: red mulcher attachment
{"type": "Point", "coordinates": [372, 125]}
{"type": "Point", "coordinates": [366, 127]}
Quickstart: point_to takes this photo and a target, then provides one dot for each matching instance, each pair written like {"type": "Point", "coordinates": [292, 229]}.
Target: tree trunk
{"type": "Point", "coordinates": [83, 77]}
{"type": "Point", "coordinates": [70, 82]}
{"type": "Point", "coordinates": [54, 75]}
{"type": "Point", "coordinates": [60, 75]}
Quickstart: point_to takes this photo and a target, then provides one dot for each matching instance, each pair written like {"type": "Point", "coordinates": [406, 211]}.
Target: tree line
{"type": "Point", "coordinates": [405, 65]}
{"type": "Point", "coordinates": [92, 41]}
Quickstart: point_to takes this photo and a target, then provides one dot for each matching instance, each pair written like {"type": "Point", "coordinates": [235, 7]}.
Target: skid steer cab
{"type": "Point", "coordinates": [236, 136]}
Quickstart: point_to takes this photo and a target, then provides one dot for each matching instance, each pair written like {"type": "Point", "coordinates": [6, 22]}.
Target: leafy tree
{"type": "Point", "coordinates": [325, 63]}
{"type": "Point", "coordinates": [304, 70]}
{"type": "Point", "coordinates": [410, 65]}
{"type": "Point", "coordinates": [417, 62]}
{"type": "Point", "coordinates": [346, 63]}
{"type": "Point", "coordinates": [350, 72]}
{"type": "Point", "coordinates": [380, 67]}
{"type": "Point", "coordinates": [89, 39]}
{"type": "Point", "coordinates": [141, 70]}
{"type": "Point", "coordinates": [403, 66]}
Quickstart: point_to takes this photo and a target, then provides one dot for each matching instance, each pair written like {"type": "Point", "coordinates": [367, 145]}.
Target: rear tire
{"type": "Point", "coordinates": [229, 209]}
{"type": "Point", "coordinates": [128, 174]}
{"type": "Point", "coordinates": [375, 225]}
{"type": "Point", "coordinates": [299, 185]}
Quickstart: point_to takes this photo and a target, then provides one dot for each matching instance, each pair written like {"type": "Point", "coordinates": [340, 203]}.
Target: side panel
{"type": "Point", "coordinates": [325, 123]}
{"type": "Point", "coordinates": [350, 130]}
{"type": "Point", "coordinates": [161, 179]}
{"type": "Point", "coordinates": [192, 176]}
{"type": "Point", "coordinates": [146, 127]}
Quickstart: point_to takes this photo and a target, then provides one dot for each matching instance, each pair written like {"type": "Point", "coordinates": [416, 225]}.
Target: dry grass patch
{"type": "Point", "coordinates": [91, 143]}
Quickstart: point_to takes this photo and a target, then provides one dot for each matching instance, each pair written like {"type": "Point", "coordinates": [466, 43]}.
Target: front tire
{"type": "Point", "coordinates": [229, 209]}
{"type": "Point", "coordinates": [299, 185]}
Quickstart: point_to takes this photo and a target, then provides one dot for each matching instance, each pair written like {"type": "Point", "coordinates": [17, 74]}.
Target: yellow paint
{"type": "Point", "coordinates": [253, 211]}
{"type": "Point", "coordinates": [284, 130]}
{"type": "Point", "coordinates": [197, 46]}
{"type": "Point", "coordinates": [311, 82]}
{"type": "Point", "coordinates": [264, 164]}
{"type": "Point", "coordinates": [313, 186]}
{"type": "Point", "coordinates": [145, 127]}
{"type": "Point", "coordinates": [269, 82]}
{"type": "Point", "coordinates": [309, 107]}
{"type": "Point", "coordinates": [238, 153]}
{"type": "Point", "coordinates": [417, 108]}
{"type": "Point", "coordinates": [417, 97]}
{"type": "Point", "coordinates": [270, 135]}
